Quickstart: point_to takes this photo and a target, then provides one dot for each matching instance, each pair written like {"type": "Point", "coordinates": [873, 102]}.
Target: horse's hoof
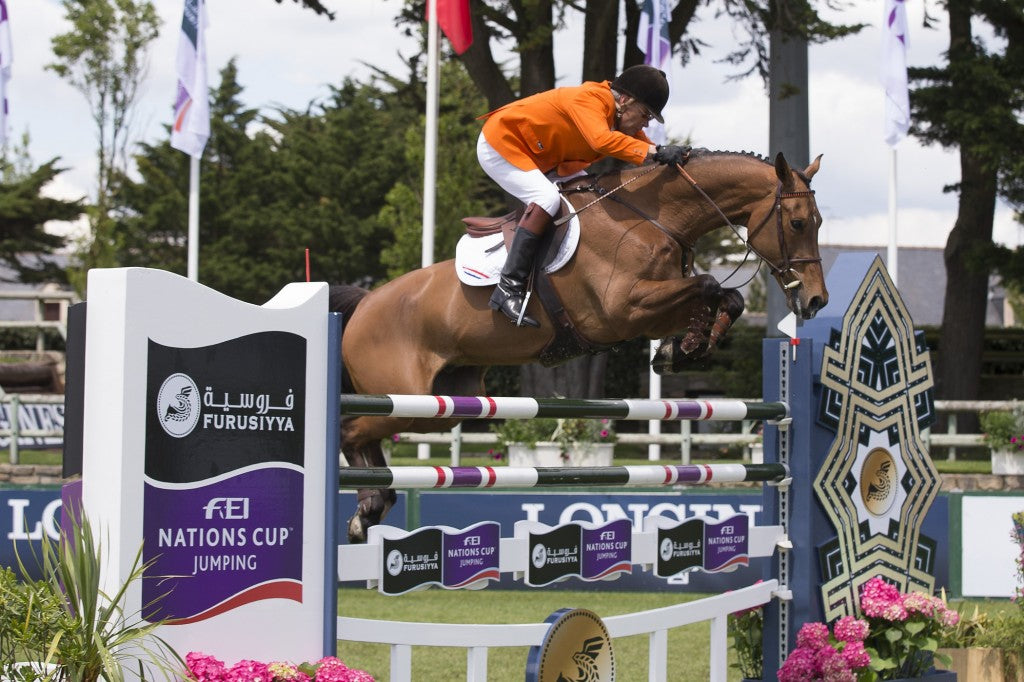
{"type": "Point", "coordinates": [356, 530]}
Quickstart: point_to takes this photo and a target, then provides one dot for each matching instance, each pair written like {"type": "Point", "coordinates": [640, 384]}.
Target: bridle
{"type": "Point", "coordinates": [780, 270]}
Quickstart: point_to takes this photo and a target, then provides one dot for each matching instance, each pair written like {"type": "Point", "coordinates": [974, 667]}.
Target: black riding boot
{"type": "Point", "coordinates": [510, 294]}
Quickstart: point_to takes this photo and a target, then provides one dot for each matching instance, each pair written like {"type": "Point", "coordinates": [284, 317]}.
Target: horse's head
{"type": "Point", "coordinates": [784, 232]}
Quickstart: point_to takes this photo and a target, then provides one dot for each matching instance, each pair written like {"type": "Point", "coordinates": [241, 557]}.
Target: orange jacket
{"type": "Point", "coordinates": [565, 128]}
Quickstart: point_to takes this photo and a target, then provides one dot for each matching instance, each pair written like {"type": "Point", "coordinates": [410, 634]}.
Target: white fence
{"type": "Point", "coordinates": [477, 639]}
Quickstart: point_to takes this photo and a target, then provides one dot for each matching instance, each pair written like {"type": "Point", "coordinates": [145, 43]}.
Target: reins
{"type": "Point", "coordinates": [779, 271]}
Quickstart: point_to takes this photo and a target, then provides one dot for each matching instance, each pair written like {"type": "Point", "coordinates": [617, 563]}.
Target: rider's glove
{"type": "Point", "coordinates": [676, 155]}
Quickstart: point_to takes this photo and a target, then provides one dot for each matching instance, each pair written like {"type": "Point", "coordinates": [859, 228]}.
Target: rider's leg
{"type": "Point", "coordinates": [510, 294]}
{"type": "Point", "coordinates": [542, 201]}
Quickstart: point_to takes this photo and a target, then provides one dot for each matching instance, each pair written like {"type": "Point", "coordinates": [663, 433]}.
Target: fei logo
{"type": "Point", "coordinates": [232, 508]}
{"type": "Point", "coordinates": [177, 405]}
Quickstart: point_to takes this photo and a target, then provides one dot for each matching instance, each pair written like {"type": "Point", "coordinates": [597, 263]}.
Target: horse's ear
{"type": "Point", "coordinates": [813, 168]}
{"type": "Point", "coordinates": [783, 172]}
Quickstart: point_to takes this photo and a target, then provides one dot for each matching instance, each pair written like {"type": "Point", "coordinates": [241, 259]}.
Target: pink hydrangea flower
{"type": "Point", "coordinates": [918, 602]}
{"type": "Point", "coordinates": [248, 671]}
{"type": "Point", "coordinates": [877, 595]}
{"type": "Point", "coordinates": [812, 636]}
{"type": "Point", "coordinates": [830, 665]}
{"type": "Point", "coordinates": [855, 655]}
{"type": "Point", "coordinates": [799, 666]}
{"type": "Point", "coordinates": [895, 612]}
{"type": "Point", "coordinates": [205, 668]}
{"type": "Point", "coordinates": [949, 618]}
{"type": "Point", "coordinates": [851, 629]}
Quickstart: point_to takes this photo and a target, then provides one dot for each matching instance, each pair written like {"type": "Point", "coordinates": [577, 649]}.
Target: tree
{"type": "Point", "coordinates": [462, 188]}
{"type": "Point", "coordinates": [104, 57]}
{"type": "Point", "coordinates": [273, 186]}
{"type": "Point", "coordinates": [974, 103]}
{"type": "Point", "coordinates": [24, 244]}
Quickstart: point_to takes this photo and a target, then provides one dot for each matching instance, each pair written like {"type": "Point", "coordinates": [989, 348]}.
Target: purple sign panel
{"type": "Point", "coordinates": [223, 495]}
{"type": "Point", "coordinates": [607, 550]}
{"type": "Point", "coordinates": [215, 547]}
{"type": "Point", "coordinates": [472, 555]}
{"type": "Point", "coordinates": [726, 543]}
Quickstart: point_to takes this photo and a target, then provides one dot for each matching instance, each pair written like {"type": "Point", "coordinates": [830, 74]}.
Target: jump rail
{"type": "Point", "coordinates": [484, 407]}
{"type": "Point", "coordinates": [408, 477]}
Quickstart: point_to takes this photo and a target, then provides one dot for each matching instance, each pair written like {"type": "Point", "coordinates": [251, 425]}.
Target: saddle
{"type": "Point", "coordinates": [567, 342]}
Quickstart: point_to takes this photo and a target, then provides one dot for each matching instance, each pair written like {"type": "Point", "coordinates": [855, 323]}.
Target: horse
{"type": "Point", "coordinates": [427, 333]}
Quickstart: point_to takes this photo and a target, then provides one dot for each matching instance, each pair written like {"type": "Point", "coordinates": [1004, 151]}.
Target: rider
{"type": "Point", "coordinates": [529, 144]}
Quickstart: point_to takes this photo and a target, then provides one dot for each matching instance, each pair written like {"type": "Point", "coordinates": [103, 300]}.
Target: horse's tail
{"type": "Point", "coordinates": [344, 298]}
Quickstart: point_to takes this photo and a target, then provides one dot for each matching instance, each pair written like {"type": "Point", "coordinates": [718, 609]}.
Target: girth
{"type": "Point", "coordinates": [568, 342]}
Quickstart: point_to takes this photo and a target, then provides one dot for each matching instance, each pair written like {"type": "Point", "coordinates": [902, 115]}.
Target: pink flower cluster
{"type": "Point", "coordinates": [206, 668]}
{"type": "Point", "coordinates": [881, 600]}
{"type": "Point", "coordinates": [829, 658]}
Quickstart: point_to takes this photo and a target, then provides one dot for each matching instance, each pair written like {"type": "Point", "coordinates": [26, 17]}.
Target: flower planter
{"type": "Point", "coordinates": [934, 676]}
{"type": "Point", "coordinates": [1008, 462]}
{"type": "Point", "coordinates": [980, 664]}
{"type": "Point", "coordinates": [550, 455]}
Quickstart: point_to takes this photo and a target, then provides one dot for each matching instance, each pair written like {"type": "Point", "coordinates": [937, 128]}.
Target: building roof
{"type": "Point", "coordinates": [921, 281]}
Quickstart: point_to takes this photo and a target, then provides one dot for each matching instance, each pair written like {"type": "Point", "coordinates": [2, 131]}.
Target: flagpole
{"type": "Point", "coordinates": [893, 254]}
{"type": "Point", "coordinates": [193, 219]}
{"type": "Point", "coordinates": [657, 53]}
{"type": "Point", "coordinates": [430, 138]}
{"type": "Point", "coordinates": [430, 156]}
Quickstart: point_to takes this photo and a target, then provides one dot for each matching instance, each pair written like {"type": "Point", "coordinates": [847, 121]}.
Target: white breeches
{"type": "Point", "coordinates": [530, 186]}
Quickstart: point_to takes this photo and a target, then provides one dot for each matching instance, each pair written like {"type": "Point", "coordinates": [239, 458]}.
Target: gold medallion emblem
{"type": "Point", "coordinates": [878, 482]}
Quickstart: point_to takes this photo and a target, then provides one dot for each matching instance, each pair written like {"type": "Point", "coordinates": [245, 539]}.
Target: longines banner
{"type": "Point", "coordinates": [204, 441]}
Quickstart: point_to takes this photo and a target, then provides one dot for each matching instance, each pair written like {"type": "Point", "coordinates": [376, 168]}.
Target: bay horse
{"type": "Point", "coordinates": [427, 333]}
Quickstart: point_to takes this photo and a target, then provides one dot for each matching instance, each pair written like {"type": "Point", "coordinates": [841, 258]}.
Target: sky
{"type": "Point", "coordinates": [288, 56]}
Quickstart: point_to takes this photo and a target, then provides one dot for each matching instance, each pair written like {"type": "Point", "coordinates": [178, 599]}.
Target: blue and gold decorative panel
{"type": "Point", "coordinates": [877, 480]}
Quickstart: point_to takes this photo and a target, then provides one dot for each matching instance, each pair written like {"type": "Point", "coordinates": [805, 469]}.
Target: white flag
{"type": "Point", "coordinates": [652, 39]}
{"type": "Point", "coordinates": [191, 127]}
{"type": "Point", "coordinates": [5, 68]}
{"type": "Point", "coordinates": [894, 71]}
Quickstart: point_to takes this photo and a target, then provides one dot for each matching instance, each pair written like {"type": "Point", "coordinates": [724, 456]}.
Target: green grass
{"type": "Point", "coordinates": [688, 647]}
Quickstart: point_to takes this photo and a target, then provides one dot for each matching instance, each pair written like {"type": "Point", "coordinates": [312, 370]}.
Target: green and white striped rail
{"type": "Point", "coordinates": [420, 477]}
{"type": "Point", "coordinates": [483, 407]}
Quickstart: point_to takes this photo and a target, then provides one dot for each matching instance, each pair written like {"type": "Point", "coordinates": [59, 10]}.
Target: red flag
{"type": "Point", "coordinates": [453, 18]}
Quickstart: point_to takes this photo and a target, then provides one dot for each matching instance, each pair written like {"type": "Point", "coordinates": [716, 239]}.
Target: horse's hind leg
{"type": "Point", "coordinates": [373, 504]}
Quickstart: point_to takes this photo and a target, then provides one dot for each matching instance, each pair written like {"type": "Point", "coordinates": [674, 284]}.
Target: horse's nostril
{"type": "Point", "coordinates": [815, 304]}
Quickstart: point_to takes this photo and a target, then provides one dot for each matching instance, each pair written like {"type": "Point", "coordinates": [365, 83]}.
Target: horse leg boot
{"type": "Point", "coordinates": [510, 293]}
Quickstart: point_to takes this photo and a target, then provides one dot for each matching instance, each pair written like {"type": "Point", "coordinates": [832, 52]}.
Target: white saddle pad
{"type": "Point", "coordinates": [478, 260]}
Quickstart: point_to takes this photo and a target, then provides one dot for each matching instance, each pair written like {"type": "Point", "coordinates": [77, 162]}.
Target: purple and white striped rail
{"type": "Point", "coordinates": [532, 477]}
{"type": "Point", "coordinates": [484, 407]}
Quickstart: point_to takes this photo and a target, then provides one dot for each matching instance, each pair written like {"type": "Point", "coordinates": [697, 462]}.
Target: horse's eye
{"type": "Point", "coordinates": [797, 224]}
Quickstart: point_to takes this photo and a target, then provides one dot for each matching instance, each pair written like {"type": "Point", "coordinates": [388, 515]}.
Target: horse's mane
{"type": "Point", "coordinates": [696, 153]}
{"type": "Point", "coordinates": [701, 152]}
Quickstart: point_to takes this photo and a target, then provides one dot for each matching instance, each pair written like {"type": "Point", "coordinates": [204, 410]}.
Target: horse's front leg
{"type": "Point", "coordinates": [729, 310]}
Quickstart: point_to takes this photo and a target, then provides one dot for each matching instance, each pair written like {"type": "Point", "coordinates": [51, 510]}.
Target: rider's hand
{"type": "Point", "coordinates": [676, 155]}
